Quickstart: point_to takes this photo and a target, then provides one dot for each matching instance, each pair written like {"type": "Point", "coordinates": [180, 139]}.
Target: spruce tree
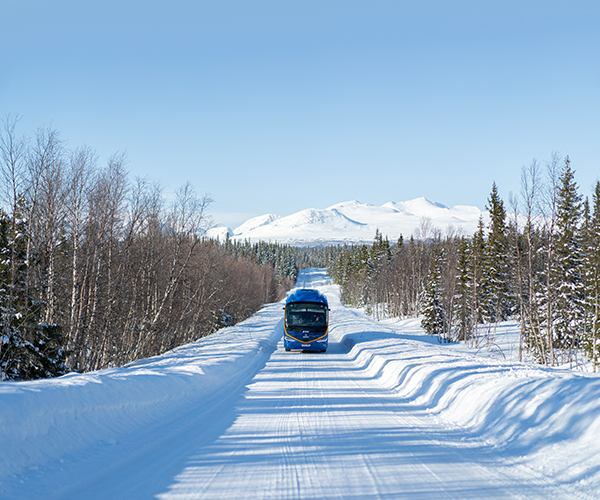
{"type": "Point", "coordinates": [496, 305]}
{"type": "Point", "coordinates": [592, 279]}
{"type": "Point", "coordinates": [567, 272]}
{"type": "Point", "coordinates": [434, 321]}
{"type": "Point", "coordinates": [476, 263]}
{"type": "Point", "coordinates": [462, 298]}
{"type": "Point", "coordinates": [29, 348]}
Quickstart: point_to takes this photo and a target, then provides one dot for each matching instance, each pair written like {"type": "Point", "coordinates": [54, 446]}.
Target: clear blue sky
{"type": "Point", "coordinates": [275, 106]}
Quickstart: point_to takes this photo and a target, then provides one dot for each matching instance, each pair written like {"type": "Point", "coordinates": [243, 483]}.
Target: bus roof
{"type": "Point", "coordinates": [307, 295]}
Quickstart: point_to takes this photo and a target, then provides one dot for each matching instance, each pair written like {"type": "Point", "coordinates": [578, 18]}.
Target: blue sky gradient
{"type": "Point", "coordinates": [276, 106]}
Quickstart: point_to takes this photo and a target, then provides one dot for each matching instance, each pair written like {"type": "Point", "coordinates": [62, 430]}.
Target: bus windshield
{"type": "Point", "coordinates": [306, 317]}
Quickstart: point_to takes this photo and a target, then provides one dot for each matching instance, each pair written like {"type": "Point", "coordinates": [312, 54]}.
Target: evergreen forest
{"type": "Point", "coordinates": [536, 261]}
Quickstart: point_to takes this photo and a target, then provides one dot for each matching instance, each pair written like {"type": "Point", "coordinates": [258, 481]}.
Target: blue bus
{"type": "Point", "coordinates": [306, 321]}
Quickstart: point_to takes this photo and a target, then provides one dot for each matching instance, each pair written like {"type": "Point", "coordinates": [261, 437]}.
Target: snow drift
{"type": "Point", "coordinates": [46, 419]}
{"type": "Point", "coordinates": [546, 418]}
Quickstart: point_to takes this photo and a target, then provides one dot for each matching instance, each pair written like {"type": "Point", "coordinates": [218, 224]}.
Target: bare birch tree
{"type": "Point", "coordinates": [12, 164]}
{"type": "Point", "coordinates": [83, 165]}
{"type": "Point", "coordinates": [48, 209]}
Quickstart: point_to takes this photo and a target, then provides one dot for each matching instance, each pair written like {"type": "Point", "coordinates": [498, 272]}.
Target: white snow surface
{"type": "Point", "coordinates": [385, 413]}
{"type": "Point", "coordinates": [355, 222]}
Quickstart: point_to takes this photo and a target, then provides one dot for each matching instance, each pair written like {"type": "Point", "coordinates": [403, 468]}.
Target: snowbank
{"type": "Point", "coordinates": [46, 419]}
{"type": "Point", "coordinates": [548, 419]}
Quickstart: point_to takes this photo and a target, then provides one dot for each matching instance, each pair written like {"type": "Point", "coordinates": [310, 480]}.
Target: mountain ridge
{"type": "Point", "coordinates": [355, 222]}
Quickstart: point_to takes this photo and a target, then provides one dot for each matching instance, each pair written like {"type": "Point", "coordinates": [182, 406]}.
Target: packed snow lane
{"type": "Point", "coordinates": [316, 426]}
{"type": "Point", "coordinates": [378, 416]}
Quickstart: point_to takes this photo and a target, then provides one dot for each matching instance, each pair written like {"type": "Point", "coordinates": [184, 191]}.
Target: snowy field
{"type": "Point", "coordinates": [384, 414]}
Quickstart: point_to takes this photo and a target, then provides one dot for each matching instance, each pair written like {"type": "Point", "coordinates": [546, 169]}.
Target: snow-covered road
{"type": "Point", "coordinates": [379, 416]}
{"type": "Point", "coordinates": [314, 426]}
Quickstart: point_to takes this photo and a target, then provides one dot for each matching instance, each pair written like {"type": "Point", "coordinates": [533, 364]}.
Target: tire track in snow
{"type": "Point", "coordinates": [316, 426]}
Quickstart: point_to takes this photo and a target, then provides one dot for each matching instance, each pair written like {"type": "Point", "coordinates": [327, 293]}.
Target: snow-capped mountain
{"type": "Point", "coordinates": [356, 222]}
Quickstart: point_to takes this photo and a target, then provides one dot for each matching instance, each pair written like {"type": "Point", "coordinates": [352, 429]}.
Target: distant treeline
{"type": "Point", "coordinates": [538, 262]}
{"type": "Point", "coordinates": [97, 270]}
